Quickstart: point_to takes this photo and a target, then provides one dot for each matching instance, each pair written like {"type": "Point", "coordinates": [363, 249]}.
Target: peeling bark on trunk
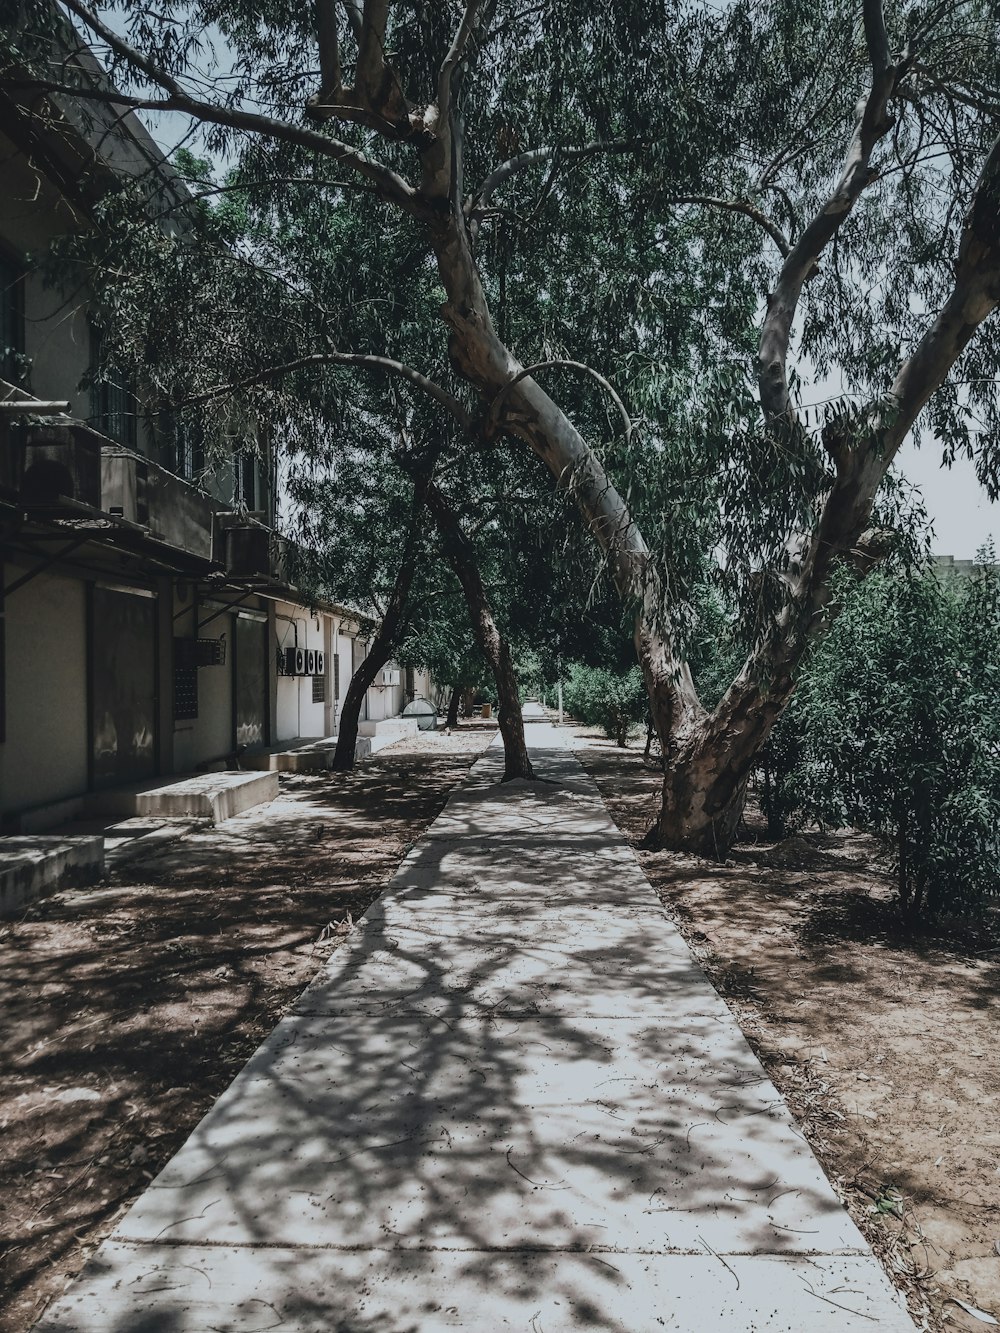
{"type": "Point", "coordinates": [494, 647]}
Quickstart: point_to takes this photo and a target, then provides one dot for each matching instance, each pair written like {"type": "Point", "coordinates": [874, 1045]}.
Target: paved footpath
{"type": "Point", "coordinates": [512, 1100]}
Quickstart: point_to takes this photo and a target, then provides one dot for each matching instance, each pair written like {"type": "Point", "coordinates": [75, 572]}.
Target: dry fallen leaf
{"type": "Point", "coordinates": [981, 1315]}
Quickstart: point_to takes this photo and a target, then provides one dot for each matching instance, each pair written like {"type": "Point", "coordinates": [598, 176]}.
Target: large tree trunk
{"type": "Point", "coordinates": [494, 647]}
{"type": "Point", "coordinates": [708, 757]}
{"type": "Point", "coordinates": [385, 640]}
{"type": "Point", "coordinates": [453, 705]}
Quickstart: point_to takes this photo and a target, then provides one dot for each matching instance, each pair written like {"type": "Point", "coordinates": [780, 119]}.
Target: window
{"type": "Point", "coordinates": [11, 320]}
{"type": "Point", "coordinates": [189, 446]}
{"type": "Point", "coordinates": [113, 406]}
{"type": "Point", "coordinates": [245, 479]}
{"type": "Point", "coordinates": [336, 675]}
{"type": "Point", "coordinates": [319, 689]}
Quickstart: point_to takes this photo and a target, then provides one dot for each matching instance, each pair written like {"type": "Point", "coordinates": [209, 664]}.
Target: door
{"type": "Point", "coordinates": [123, 686]}
{"type": "Point", "coordinates": [250, 682]}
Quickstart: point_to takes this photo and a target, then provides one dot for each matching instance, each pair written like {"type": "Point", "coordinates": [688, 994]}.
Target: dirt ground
{"type": "Point", "coordinates": [883, 1041]}
{"type": "Point", "coordinates": [129, 1007]}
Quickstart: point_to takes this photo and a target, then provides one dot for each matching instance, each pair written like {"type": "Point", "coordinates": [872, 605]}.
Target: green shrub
{"type": "Point", "coordinates": [613, 701]}
{"type": "Point", "coordinates": [895, 728]}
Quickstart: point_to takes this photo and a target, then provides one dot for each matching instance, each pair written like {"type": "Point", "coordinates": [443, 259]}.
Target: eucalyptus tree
{"type": "Point", "coordinates": [358, 533]}
{"type": "Point", "coordinates": [839, 159]}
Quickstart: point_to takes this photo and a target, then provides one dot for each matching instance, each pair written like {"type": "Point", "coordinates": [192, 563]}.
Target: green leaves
{"type": "Point", "coordinates": [895, 728]}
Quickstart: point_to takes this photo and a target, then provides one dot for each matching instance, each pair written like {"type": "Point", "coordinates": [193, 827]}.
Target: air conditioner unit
{"type": "Point", "coordinates": [125, 485]}
{"type": "Point", "coordinates": [61, 462]}
{"type": "Point", "coordinates": [295, 661]}
{"type": "Point", "coordinates": [320, 663]}
{"type": "Point", "coordinates": [310, 661]}
{"type": "Point", "coordinates": [390, 676]}
{"type": "Point", "coordinates": [247, 551]}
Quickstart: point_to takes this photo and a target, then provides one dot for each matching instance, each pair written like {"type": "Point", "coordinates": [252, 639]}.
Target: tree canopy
{"type": "Point", "coordinates": [620, 240]}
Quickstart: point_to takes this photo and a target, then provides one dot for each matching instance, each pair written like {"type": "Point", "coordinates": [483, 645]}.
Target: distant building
{"type": "Point", "coordinates": [963, 569]}
{"type": "Point", "coordinates": [146, 611]}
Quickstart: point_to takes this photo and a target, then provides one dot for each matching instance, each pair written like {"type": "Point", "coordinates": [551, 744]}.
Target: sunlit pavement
{"type": "Point", "coordinates": [510, 1101]}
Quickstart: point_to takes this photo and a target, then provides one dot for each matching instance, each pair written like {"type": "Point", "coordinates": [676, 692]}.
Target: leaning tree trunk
{"type": "Point", "coordinates": [453, 705]}
{"type": "Point", "coordinates": [385, 640]}
{"type": "Point", "coordinates": [494, 647]}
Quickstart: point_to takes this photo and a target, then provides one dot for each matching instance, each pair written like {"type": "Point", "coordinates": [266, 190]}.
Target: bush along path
{"type": "Point", "coordinates": [511, 1100]}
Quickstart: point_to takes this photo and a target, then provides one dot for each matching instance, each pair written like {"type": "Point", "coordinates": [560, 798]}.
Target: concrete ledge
{"type": "Point", "coordinates": [297, 755]}
{"type": "Point", "coordinates": [213, 796]}
{"type": "Point", "coordinates": [389, 726]}
{"type": "Point", "coordinates": [31, 868]}
{"type": "Point", "coordinates": [39, 818]}
{"type": "Point", "coordinates": [133, 838]}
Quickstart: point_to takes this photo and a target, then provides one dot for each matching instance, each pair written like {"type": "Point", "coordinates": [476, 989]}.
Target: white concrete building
{"type": "Point", "coordinates": [144, 612]}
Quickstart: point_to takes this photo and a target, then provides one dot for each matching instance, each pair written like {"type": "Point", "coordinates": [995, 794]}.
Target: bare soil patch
{"type": "Point", "coordinates": [129, 1008]}
{"type": "Point", "coordinates": [883, 1040]}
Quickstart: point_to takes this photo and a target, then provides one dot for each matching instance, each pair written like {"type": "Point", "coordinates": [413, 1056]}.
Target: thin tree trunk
{"type": "Point", "coordinates": [385, 640]}
{"type": "Point", "coordinates": [453, 703]}
{"type": "Point", "coordinates": [494, 647]}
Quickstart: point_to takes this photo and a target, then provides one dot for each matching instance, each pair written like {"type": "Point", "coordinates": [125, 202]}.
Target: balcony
{"type": "Point", "coordinates": [57, 466]}
{"type": "Point", "coordinates": [173, 511]}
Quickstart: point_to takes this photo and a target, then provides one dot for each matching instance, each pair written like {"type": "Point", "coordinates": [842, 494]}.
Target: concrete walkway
{"type": "Point", "coordinates": [511, 1101]}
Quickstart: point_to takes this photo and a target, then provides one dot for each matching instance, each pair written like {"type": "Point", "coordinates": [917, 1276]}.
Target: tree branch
{"type": "Point", "coordinates": [353, 8]}
{"type": "Point", "coordinates": [532, 158]}
{"type": "Point", "coordinates": [492, 413]}
{"type": "Point", "coordinates": [388, 184]}
{"type": "Point", "coordinates": [370, 72]}
{"type": "Point", "coordinates": [391, 186]}
{"type": "Point", "coordinates": [873, 122]}
{"type": "Point", "coordinates": [329, 46]}
{"type": "Point", "coordinates": [451, 62]}
{"type": "Point", "coordinates": [377, 363]}
{"type": "Point", "coordinates": [738, 206]}
{"type": "Point", "coordinates": [124, 49]}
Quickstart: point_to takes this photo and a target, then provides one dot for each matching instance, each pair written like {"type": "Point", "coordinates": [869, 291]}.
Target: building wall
{"type": "Point", "coordinates": [209, 736]}
{"type": "Point", "coordinates": [44, 757]}
{"type": "Point", "coordinates": [295, 626]}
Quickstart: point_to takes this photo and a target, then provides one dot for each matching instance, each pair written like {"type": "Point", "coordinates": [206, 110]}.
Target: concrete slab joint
{"type": "Point", "coordinates": [511, 1100]}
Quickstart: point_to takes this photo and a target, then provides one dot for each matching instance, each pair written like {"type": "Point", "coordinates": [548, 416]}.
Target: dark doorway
{"type": "Point", "coordinates": [250, 683]}
{"type": "Point", "coordinates": [123, 686]}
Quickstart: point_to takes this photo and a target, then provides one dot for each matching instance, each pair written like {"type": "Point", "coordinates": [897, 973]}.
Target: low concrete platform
{"type": "Point", "coordinates": [212, 796]}
{"type": "Point", "coordinates": [312, 755]}
{"type": "Point", "coordinates": [33, 867]}
{"type": "Point", "coordinates": [301, 754]}
{"type": "Point", "coordinates": [389, 726]}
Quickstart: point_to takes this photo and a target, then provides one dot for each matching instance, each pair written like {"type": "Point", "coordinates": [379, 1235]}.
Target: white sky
{"type": "Point", "coordinates": [963, 518]}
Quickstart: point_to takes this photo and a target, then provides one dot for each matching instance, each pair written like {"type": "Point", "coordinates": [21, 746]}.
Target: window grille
{"type": "Point", "coordinates": [185, 693]}
{"type": "Point", "coordinates": [319, 689]}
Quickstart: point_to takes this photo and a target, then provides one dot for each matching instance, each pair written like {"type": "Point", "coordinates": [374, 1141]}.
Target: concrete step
{"type": "Point", "coordinates": [212, 796]}
{"type": "Point", "coordinates": [33, 867]}
{"type": "Point", "coordinates": [310, 756]}
{"type": "Point", "coordinates": [298, 755]}
{"type": "Point", "coordinates": [389, 726]}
